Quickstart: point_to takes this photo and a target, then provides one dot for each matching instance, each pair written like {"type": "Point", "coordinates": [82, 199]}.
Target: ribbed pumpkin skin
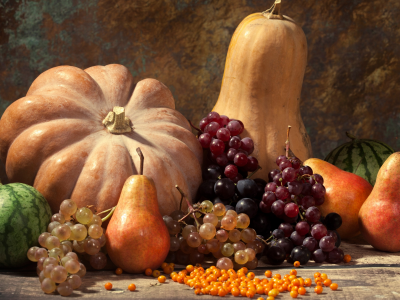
{"type": "Point", "coordinates": [362, 157]}
{"type": "Point", "coordinates": [261, 86]}
{"type": "Point", "coordinates": [24, 215]}
{"type": "Point", "coordinates": [54, 138]}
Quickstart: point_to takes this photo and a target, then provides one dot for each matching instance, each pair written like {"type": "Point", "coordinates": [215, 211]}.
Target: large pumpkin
{"type": "Point", "coordinates": [261, 86]}
{"type": "Point", "coordinates": [75, 133]}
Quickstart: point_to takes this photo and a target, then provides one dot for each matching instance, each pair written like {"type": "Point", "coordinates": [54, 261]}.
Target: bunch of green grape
{"type": "Point", "coordinates": [58, 265]}
{"type": "Point", "coordinates": [222, 234]}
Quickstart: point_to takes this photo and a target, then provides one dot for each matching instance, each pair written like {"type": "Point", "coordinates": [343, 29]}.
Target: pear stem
{"type": "Point", "coordinates": [109, 215]}
{"type": "Point", "coordinates": [191, 209]}
{"type": "Point", "coordinates": [287, 142]}
{"type": "Point", "coordinates": [139, 152]}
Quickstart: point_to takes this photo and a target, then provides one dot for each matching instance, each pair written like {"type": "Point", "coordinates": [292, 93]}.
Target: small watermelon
{"type": "Point", "coordinates": [361, 157]}
{"type": "Point", "coordinates": [24, 215]}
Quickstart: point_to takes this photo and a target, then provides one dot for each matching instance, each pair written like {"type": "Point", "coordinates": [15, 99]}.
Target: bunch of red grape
{"type": "Point", "coordinates": [222, 233]}
{"type": "Point", "coordinates": [221, 136]}
{"type": "Point", "coordinates": [58, 266]}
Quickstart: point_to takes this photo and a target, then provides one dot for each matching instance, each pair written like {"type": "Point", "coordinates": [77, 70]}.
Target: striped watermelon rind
{"type": "Point", "coordinates": [24, 215]}
{"type": "Point", "coordinates": [362, 157]}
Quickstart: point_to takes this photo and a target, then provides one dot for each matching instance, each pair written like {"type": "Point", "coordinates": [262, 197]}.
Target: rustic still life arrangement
{"type": "Point", "coordinates": [105, 170]}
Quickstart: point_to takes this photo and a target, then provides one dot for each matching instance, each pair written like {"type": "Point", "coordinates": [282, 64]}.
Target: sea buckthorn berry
{"type": "Point", "coordinates": [307, 282]}
{"type": "Point", "coordinates": [278, 276]}
{"type": "Point", "coordinates": [347, 258]}
{"type": "Point", "coordinates": [108, 286]}
{"type": "Point", "coordinates": [251, 275]}
{"type": "Point", "coordinates": [156, 273]}
{"type": "Point", "coordinates": [301, 281]}
{"type": "Point", "coordinates": [161, 279]}
{"type": "Point", "coordinates": [327, 282]}
{"type": "Point", "coordinates": [324, 276]}
{"type": "Point", "coordinates": [317, 274]}
{"type": "Point", "coordinates": [148, 272]}
{"type": "Point", "coordinates": [197, 291]}
{"type": "Point", "coordinates": [319, 283]}
{"type": "Point", "coordinates": [334, 286]}
{"type": "Point", "coordinates": [301, 291]}
{"type": "Point", "coordinates": [167, 270]}
{"type": "Point", "coordinates": [296, 264]}
{"type": "Point", "coordinates": [189, 268]}
{"type": "Point", "coordinates": [318, 289]}
{"type": "Point", "coordinates": [293, 294]}
{"type": "Point", "coordinates": [118, 271]}
{"type": "Point", "coordinates": [296, 282]}
{"type": "Point", "coordinates": [163, 265]}
{"type": "Point", "coordinates": [273, 293]}
{"type": "Point", "coordinates": [260, 298]}
{"type": "Point", "coordinates": [293, 272]}
{"type": "Point", "coordinates": [292, 277]}
{"type": "Point", "coordinates": [270, 298]}
{"type": "Point", "coordinates": [132, 287]}
{"type": "Point", "coordinates": [172, 265]}
{"type": "Point", "coordinates": [214, 291]}
{"type": "Point", "coordinates": [243, 292]}
{"type": "Point", "coordinates": [250, 293]}
{"type": "Point", "coordinates": [294, 288]}
{"type": "Point", "coordinates": [318, 279]}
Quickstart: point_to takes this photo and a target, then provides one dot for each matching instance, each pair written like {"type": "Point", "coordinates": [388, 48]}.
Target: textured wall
{"type": "Point", "coordinates": [351, 81]}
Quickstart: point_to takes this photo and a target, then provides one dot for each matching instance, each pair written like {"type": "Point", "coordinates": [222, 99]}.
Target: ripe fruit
{"type": "Point", "coordinates": [345, 194]}
{"type": "Point", "coordinates": [24, 215]}
{"type": "Point", "coordinates": [379, 216]}
{"type": "Point", "coordinates": [137, 237]}
{"type": "Point", "coordinates": [108, 286]}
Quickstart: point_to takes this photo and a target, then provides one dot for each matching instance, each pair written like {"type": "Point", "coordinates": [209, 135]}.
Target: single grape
{"type": "Point", "coordinates": [64, 260]}
{"type": "Point", "coordinates": [278, 233]}
{"type": "Point", "coordinates": [248, 235]}
{"type": "Point", "coordinates": [280, 159]}
{"type": "Point", "coordinates": [318, 231]}
{"type": "Point", "coordinates": [230, 211]}
{"type": "Point", "coordinates": [174, 227]}
{"type": "Point", "coordinates": [333, 221]}
{"type": "Point", "coordinates": [174, 244]}
{"type": "Point", "coordinates": [335, 256]}
{"type": "Point", "coordinates": [221, 235]}
{"type": "Point", "coordinates": [222, 159]}
{"type": "Point", "coordinates": [52, 225]}
{"type": "Point", "coordinates": [58, 274]}
{"type": "Point", "coordinates": [307, 202]}
{"type": "Point", "coordinates": [239, 246]}
{"type": "Point", "coordinates": [234, 127]}
{"type": "Point", "coordinates": [241, 257]}
{"type": "Point", "coordinates": [217, 147]}
{"type": "Point", "coordinates": [66, 246]}
{"type": "Point", "coordinates": [41, 276]}
{"type": "Point", "coordinates": [84, 215]}
{"type": "Point", "coordinates": [205, 140]}
{"type": "Point", "coordinates": [228, 222]}
{"type": "Point", "coordinates": [102, 239]}
{"type": "Point", "coordinates": [72, 266]}
{"type": "Point", "coordinates": [207, 231]}
{"type": "Point", "coordinates": [312, 214]}
{"type": "Point", "coordinates": [223, 134]}
{"type": "Point", "coordinates": [95, 231]}
{"type": "Point", "coordinates": [301, 254]}
{"type": "Point", "coordinates": [305, 170]}
{"type": "Point", "coordinates": [296, 238]}
{"type": "Point", "coordinates": [223, 120]}
{"type": "Point", "coordinates": [64, 288]}
{"type": "Point", "coordinates": [302, 227]}
{"type": "Point", "coordinates": [58, 218]}
{"type": "Point", "coordinates": [224, 188]}
{"type": "Point", "coordinates": [310, 243]}
{"type": "Point", "coordinates": [285, 164]}
{"type": "Point", "coordinates": [276, 255]}
{"type": "Point", "coordinates": [63, 232]}
{"type": "Point", "coordinates": [240, 159]}
{"type": "Point", "coordinates": [231, 171]}
{"type": "Point", "coordinates": [250, 253]}
{"type": "Point", "coordinates": [319, 256]}
{"type": "Point", "coordinates": [73, 255]}
{"type": "Point", "coordinates": [295, 188]}
{"type": "Point", "coordinates": [227, 249]}
{"type": "Point", "coordinates": [194, 239]}
{"type": "Point", "coordinates": [91, 246]}
{"type": "Point", "coordinates": [98, 261]}
{"type": "Point", "coordinates": [289, 174]}
{"type": "Point", "coordinates": [234, 235]}
{"type": "Point", "coordinates": [207, 206]}
{"type": "Point", "coordinates": [219, 209]}
{"type": "Point", "coordinates": [195, 257]}
{"type": "Point", "coordinates": [57, 253]}
{"type": "Point", "coordinates": [212, 128]}
{"type": "Point", "coordinates": [52, 242]}
{"type": "Point", "coordinates": [278, 180]}
{"type": "Point", "coordinates": [327, 243]}
{"type": "Point", "coordinates": [31, 253]}
{"type": "Point", "coordinates": [48, 286]}
{"type": "Point", "coordinates": [318, 191]}
{"type": "Point", "coordinates": [42, 238]}
{"type": "Point", "coordinates": [247, 145]}
{"type": "Point", "coordinates": [224, 263]}
{"type": "Point", "coordinates": [82, 270]}
{"type": "Point", "coordinates": [213, 245]}
{"type": "Point", "coordinates": [78, 246]}
{"type": "Point", "coordinates": [75, 281]}
{"type": "Point", "coordinates": [68, 207]}
{"type": "Point", "coordinates": [252, 264]}
{"type": "Point", "coordinates": [47, 270]}
{"type": "Point", "coordinates": [296, 163]}
{"type": "Point", "coordinates": [243, 221]}
{"type": "Point", "coordinates": [278, 208]}
{"type": "Point", "coordinates": [203, 249]}
{"type": "Point", "coordinates": [286, 228]}
{"type": "Point", "coordinates": [247, 206]}
{"type": "Point", "coordinates": [188, 229]}
{"type": "Point", "coordinates": [203, 123]}
{"type": "Point", "coordinates": [252, 164]}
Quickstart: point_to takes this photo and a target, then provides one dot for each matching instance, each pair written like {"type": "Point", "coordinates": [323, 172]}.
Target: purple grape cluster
{"type": "Point", "coordinates": [220, 135]}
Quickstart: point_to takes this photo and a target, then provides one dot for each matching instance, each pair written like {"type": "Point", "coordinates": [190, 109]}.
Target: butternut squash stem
{"type": "Point", "coordinates": [191, 209]}
{"type": "Point", "coordinates": [109, 215]}
{"type": "Point", "coordinates": [287, 142]}
{"type": "Point", "coordinates": [139, 152]}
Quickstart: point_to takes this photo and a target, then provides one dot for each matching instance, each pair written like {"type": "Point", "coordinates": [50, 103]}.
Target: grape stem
{"type": "Point", "coordinates": [287, 141]}
{"type": "Point", "coordinates": [258, 168]}
{"type": "Point", "coordinates": [198, 129]}
{"type": "Point", "coordinates": [104, 211]}
{"type": "Point", "coordinates": [109, 215]}
{"type": "Point", "coordinates": [191, 209]}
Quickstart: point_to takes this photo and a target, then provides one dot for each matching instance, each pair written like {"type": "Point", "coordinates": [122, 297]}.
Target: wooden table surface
{"type": "Point", "coordinates": [370, 275]}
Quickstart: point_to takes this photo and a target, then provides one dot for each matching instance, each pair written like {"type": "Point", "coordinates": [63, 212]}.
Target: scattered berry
{"type": "Point", "coordinates": [108, 286]}
{"type": "Point", "coordinates": [132, 287]}
{"type": "Point", "coordinates": [118, 271]}
{"type": "Point", "coordinates": [161, 279]}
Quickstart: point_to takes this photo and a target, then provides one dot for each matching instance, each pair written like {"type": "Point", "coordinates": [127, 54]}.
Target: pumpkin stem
{"type": "Point", "coordinates": [139, 152]}
{"type": "Point", "coordinates": [287, 142]}
{"type": "Point", "coordinates": [116, 122]}
{"type": "Point", "coordinates": [275, 11]}
{"type": "Point", "coordinates": [349, 135]}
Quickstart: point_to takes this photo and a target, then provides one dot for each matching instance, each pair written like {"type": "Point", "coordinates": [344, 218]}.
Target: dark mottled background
{"type": "Point", "coordinates": [351, 81]}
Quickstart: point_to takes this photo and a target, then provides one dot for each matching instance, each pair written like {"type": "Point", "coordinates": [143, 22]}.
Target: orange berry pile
{"type": "Point", "coordinates": [217, 282]}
